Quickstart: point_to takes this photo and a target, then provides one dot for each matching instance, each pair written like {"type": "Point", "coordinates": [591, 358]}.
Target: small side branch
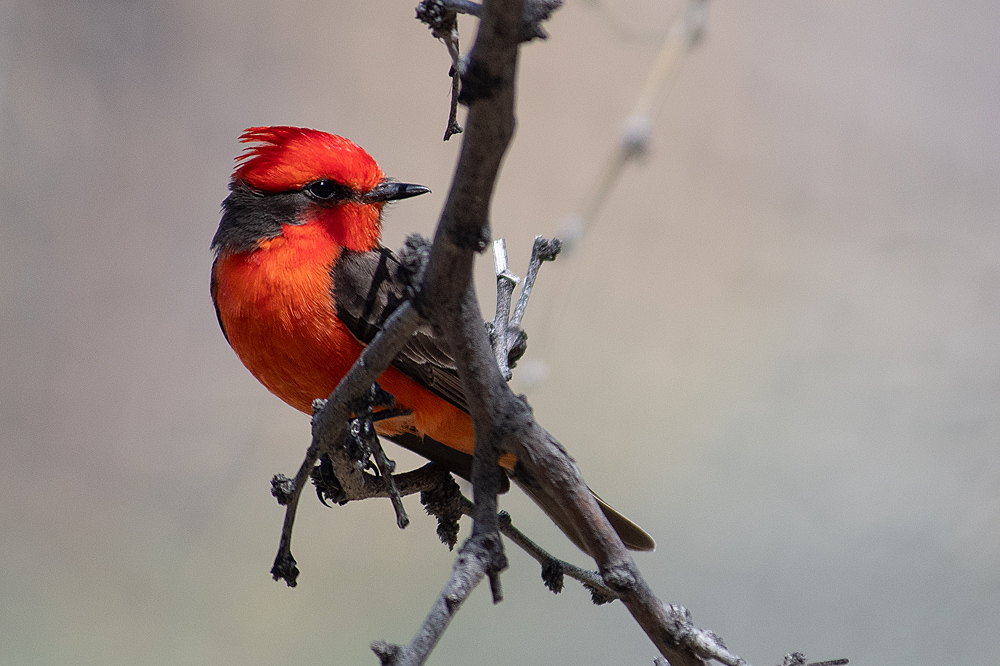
{"type": "Point", "coordinates": [443, 22]}
{"type": "Point", "coordinates": [499, 328]}
{"type": "Point", "coordinates": [799, 659]}
{"type": "Point", "coordinates": [363, 442]}
{"type": "Point", "coordinates": [441, 17]}
{"type": "Point", "coordinates": [553, 569]}
{"type": "Point", "coordinates": [542, 250]}
{"type": "Point", "coordinates": [507, 338]}
{"type": "Point", "coordinates": [386, 467]}
{"type": "Point", "coordinates": [330, 421]}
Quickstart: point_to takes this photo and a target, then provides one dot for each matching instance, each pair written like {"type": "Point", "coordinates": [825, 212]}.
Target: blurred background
{"type": "Point", "coordinates": [779, 347]}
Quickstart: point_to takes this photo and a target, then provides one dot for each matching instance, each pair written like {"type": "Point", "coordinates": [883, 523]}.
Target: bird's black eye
{"type": "Point", "coordinates": [323, 189]}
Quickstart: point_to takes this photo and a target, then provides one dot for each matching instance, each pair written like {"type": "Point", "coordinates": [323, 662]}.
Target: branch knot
{"type": "Point", "coordinates": [438, 17]}
{"type": "Point", "coordinates": [282, 488]}
{"type": "Point", "coordinates": [479, 83]}
{"type": "Point", "coordinates": [444, 501]}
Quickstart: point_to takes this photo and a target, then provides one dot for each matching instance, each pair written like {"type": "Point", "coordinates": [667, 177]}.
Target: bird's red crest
{"type": "Point", "coordinates": [286, 158]}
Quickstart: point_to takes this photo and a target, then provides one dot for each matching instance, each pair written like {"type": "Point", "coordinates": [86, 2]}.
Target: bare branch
{"type": "Point", "coordinates": [330, 424]}
{"type": "Point", "coordinates": [470, 567]}
{"type": "Point", "coordinates": [447, 297]}
{"type": "Point", "coordinates": [502, 421]}
{"type": "Point", "coordinates": [542, 250]}
{"type": "Point", "coordinates": [799, 659]}
{"type": "Point", "coordinates": [498, 329]}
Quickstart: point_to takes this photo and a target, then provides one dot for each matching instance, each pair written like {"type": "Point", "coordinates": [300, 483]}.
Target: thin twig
{"type": "Point", "coordinates": [541, 250]}
{"type": "Point", "coordinates": [498, 329]}
{"type": "Point", "coordinates": [441, 19]}
{"type": "Point", "coordinates": [456, 84]}
{"type": "Point", "coordinates": [506, 335]}
{"type": "Point", "coordinates": [469, 569]}
{"type": "Point", "coordinates": [551, 565]}
{"type": "Point", "coordinates": [284, 567]}
{"type": "Point", "coordinates": [799, 659]}
{"type": "Point", "coordinates": [363, 442]}
{"type": "Point", "coordinates": [536, 12]}
{"type": "Point", "coordinates": [440, 16]}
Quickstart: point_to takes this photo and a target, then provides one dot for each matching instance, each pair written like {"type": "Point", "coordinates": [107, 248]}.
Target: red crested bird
{"type": "Point", "coordinates": [301, 283]}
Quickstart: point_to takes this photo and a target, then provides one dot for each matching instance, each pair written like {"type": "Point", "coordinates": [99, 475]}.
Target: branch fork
{"type": "Point", "coordinates": [503, 423]}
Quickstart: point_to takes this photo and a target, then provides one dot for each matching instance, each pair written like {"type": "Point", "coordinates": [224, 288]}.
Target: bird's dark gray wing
{"type": "Point", "coordinates": [366, 292]}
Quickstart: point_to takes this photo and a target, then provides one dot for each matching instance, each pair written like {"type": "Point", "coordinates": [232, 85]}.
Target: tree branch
{"type": "Point", "coordinates": [541, 250]}
{"type": "Point", "coordinates": [448, 301]}
{"type": "Point", "coordinates": [503, 422]}
{"type": "Point", "coordinates": [329, 427]}
{"type": "Point", "coordinates": [536, 12]}
{"type": "Point", "coordinates": [498, 330]}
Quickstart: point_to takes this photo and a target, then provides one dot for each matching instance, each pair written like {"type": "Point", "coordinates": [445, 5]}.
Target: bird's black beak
{"type": "Point", "coordinates": [390, 190]}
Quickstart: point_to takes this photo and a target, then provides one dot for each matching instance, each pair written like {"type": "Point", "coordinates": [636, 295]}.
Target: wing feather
{"type": "Point", "coordinates": [366, 291]}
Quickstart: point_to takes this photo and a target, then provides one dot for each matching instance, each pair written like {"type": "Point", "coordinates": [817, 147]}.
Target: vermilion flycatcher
{"type": "Point", "coordinates": [301, 284]}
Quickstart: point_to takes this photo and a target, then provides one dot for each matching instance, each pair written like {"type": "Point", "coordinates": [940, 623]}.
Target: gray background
{"type": "Point", "coordinates": [779, 353]}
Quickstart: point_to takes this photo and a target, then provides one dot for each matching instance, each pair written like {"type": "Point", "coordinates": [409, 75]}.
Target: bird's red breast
{"type": "Point", "coordinates": [276, 308]}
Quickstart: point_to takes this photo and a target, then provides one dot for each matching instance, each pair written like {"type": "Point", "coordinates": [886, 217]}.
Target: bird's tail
{"type": "Point", "coordinates": [633, 536]}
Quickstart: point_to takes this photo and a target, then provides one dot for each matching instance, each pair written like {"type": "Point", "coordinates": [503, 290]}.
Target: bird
{"type": "Point", "coordinates": [301, 283]}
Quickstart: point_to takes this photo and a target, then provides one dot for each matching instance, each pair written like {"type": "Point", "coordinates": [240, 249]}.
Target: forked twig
{"type": "Point", "coordinates": [507, 338]}
{"type": "Point", "coordinates": [499, 329]}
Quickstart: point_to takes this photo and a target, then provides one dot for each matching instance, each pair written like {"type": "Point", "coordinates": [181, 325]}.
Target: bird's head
{"type": "Point", "coordinates": [297, 176]}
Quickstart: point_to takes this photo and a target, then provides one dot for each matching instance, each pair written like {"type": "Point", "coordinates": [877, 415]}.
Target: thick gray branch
{"type": "Point", "coordinates": [503, 422]}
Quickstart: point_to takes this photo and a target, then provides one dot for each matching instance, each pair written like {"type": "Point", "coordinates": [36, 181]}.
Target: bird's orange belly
{"type": "Point", "coordinates": [284, 329]}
